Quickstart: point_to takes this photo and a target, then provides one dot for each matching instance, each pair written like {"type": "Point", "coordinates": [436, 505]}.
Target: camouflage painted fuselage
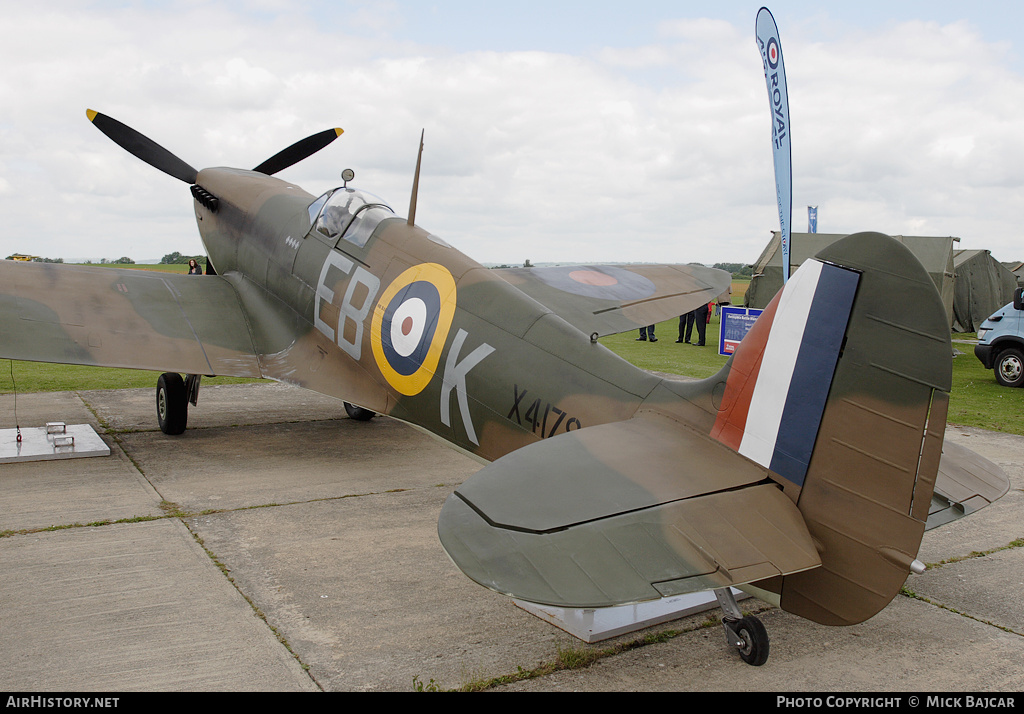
{"type": "Point", "coordinates": [486, 368]}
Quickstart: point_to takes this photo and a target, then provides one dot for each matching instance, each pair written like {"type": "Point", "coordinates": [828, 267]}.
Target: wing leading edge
{"type": "Point", "coordinates": [609, 299]}
{"type": "Point", "coordinates": [124, 318]}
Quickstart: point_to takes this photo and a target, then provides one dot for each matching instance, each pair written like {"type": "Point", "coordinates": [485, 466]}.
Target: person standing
{"type": "Point", "coordinates": [699, 317]}
{"type": "Point", "coordinates": [647, 334]}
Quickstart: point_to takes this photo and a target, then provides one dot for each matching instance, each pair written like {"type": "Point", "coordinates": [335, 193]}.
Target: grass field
{"type": "Point", "coordinates": [42, 377]}
{"type": "Point", "coordinates": [975, 400]}
{"type": "Point", "coordinates": [172, 268]}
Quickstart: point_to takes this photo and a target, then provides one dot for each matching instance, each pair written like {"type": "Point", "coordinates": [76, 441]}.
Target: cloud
{"type": "Point", "coordinates": [657, 152]}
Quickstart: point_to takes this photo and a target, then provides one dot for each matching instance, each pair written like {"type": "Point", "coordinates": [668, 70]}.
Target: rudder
{"type": "Point", "coordinates": [841, 392]}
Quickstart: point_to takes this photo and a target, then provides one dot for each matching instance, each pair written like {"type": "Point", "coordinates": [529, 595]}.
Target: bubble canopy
{"type": "Point", "coordinates": [347, 213]}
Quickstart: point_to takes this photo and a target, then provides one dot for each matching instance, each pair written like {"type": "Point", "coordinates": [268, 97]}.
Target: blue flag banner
{"type": "Point", "coordinates": [812, 219]}
{"type": "Point", "coordinates": [778, 102]}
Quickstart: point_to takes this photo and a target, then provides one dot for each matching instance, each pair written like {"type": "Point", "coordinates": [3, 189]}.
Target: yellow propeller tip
{"type": "Point", "coordinates": [339, 131]}
{"type": "Point", "coordinates": [91, 114]}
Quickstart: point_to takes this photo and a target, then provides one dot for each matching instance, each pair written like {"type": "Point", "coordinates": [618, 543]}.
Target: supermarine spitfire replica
{"type": "Point", "coordinates": [805, 472]}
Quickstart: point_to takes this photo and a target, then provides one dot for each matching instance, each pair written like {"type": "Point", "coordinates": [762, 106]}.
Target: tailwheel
{"type": "Point", "coordinates": [746, 634]}
{"type": "Point", "coordinates": [755, 645]}
{"type": "Point", "coordinates": [358, 413]}
{"type": "Point", "coordinates": [171, 403]}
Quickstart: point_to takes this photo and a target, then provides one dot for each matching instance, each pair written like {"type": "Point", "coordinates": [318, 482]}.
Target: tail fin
{"type": "Point", "coordinates": [840, 389]}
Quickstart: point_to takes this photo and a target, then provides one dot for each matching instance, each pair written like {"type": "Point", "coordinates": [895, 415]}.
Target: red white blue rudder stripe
{"type": "Point", "coordinates": [781, 373]}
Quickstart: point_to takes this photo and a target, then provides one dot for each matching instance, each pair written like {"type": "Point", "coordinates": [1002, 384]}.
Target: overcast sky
{"type": "Point", "coordinates": [555, 131]}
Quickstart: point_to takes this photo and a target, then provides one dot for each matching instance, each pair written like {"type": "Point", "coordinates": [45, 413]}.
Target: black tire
{"type": "Point", "coordinates": [171, 403]}
{"type": "Point", "coordinates": [1009, 367]}
{"type": "Point", "coordinates": [755, 637]}
{"type": "Point", "coordinates": [358, 413]}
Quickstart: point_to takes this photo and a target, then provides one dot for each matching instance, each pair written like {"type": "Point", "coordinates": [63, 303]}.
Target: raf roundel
{"type": "Point", "coordinates": [773, 53]}
{"type": "Point", "coordinates": [410, 326]}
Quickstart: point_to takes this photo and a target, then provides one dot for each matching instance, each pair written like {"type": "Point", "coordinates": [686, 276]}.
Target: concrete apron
{"type": "Point", "coordinates": [278, 545]}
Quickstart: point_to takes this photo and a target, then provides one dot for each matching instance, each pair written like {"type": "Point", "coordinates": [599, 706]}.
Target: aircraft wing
{"type": "Point", "coordinates": [608, 299]}
{"type": "Point", "coordinates": [619, 513]}
{"type": "Point", "coordinates": [135, 319]}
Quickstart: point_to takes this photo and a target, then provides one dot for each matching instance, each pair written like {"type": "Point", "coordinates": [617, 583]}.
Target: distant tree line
{"type": "Point", "coordinates": [123, 260]}
{"type": "Point", "coordinates": [177, 258]}
{"type": "Point", "coordinates": [738, 270]}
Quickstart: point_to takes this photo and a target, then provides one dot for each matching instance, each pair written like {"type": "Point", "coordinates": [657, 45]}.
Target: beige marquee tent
{"type": "Point", "coordinates": [934, 252]}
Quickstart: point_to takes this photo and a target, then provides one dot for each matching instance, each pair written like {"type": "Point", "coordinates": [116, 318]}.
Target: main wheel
{"type": "Point", "coordinates": [358, 413]}
{"type": "Point", "coordinates": [1009, 367]}
{"type": "Point", "coordinates": [171, 403]}
{"type": "Point", "coordinates": [755, 641]}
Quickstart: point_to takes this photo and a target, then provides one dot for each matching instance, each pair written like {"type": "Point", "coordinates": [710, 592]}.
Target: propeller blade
{"type": "Point", "coordinates": [297, 152]}
{"type": "Point", "coordinates": [143, 147]}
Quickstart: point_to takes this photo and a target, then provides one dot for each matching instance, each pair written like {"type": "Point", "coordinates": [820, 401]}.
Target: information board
{"type": "Point", "coordinates": [736, 323]}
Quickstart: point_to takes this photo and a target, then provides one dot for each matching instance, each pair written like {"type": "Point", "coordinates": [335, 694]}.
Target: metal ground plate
{"type": "Point", "coordinates": [39, 445]}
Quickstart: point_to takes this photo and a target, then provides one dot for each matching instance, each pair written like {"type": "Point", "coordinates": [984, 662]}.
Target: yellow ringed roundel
{"type": "Point", "coordinates": [410, 325]}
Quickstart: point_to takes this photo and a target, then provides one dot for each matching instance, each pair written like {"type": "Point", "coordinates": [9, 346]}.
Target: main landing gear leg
{"type": "Point", "coordinates": [192, 388]}
{"type": "Point", "coordinates": [746, 634]}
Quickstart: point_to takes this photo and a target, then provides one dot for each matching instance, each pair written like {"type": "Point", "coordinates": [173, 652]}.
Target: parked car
{"type": "Point", "coordinates": [1001, 342]}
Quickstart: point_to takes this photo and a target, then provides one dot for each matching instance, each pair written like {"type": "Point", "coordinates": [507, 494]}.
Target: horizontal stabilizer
{"type": "Point", "coordinates": [609, 299]}
{"type": "Point", "coordinates": [622, 513]}
{"type": "Point", "coordinates": [966, 482]}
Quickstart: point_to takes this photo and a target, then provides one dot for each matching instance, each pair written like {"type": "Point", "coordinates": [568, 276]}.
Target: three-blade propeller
{"type": "Point", "coordinates": [158, 157]}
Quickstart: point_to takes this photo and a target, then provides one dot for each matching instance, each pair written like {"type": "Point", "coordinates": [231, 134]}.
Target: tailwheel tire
{"type": "Point", "coordinates": [171, 403]}
{"type": "Point", "coordinates": [754, 650]}
{"type": "Point", "coordinates": [358, 413]}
